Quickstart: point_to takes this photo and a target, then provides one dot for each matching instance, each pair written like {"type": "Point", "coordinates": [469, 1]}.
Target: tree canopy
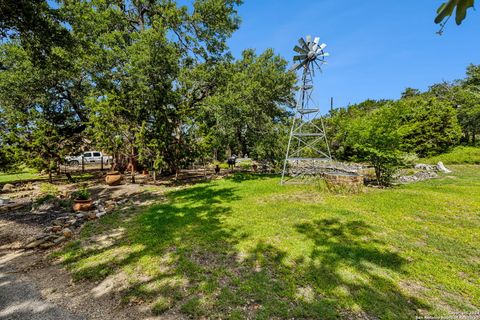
{"type": "Point", "coordinates": [153, 83]}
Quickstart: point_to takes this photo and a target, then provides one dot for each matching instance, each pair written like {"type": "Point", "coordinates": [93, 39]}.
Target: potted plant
{"type": "Point", "coordinates": [82, 200]}
{"type": "Point", "coordinates": [113, 178]}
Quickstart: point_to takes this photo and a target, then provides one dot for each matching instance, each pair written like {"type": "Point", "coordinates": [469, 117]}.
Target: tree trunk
{"type": "Point", "coordinates": [473, 137]}
{"type": "Point", "coordinates": [133, 167]}
{"type": "Point", "coordinates": [50, 170]}
{"type": "Point", "coordinates": [378, 174]}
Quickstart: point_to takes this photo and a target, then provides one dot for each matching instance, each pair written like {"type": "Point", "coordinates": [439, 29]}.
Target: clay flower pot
{"type": "Point", "coordinates": [113, 178]}
{"type": "Point", "coordinates": [82, 205]}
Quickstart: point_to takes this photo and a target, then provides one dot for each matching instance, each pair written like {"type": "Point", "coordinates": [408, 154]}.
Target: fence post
{"type": "Point", "coordinates": [83, 164]}
{"type": "Point", "coordinates": [101, 163]}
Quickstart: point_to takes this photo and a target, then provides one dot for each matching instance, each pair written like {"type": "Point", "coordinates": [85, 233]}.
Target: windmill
{"type": "Point", "coordinates": [308, 150]}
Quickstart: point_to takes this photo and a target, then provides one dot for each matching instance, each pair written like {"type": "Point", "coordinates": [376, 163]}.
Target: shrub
{"type": "Point", "coordinates": [376, 140]}
{"type": "Point", "coordinates": [81, 194]}
{"type": "Point", "coordinates": [44, 199]}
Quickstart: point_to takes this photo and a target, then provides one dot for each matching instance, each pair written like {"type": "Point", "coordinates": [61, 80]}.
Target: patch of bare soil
{"type": "Point", "coordinates": [57, 290]}
{"type": "Point", "coordinates": [84, 299]}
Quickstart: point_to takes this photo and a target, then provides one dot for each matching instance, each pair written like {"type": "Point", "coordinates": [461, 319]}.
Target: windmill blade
{"type": "Point", "coordinates": [309, 39]}
{"type": "Point", "coordinates": [315, 47]}
{"type": "Point", "coordinates": [316, 40]}
{"type": "Point", "coordinates": [295, 67]}
{"type": "Point", "coordinates": [323, 46]}
{"type": "Point", "coordinates": [303, 44]}
{"type": "Point", "coordinates": [325, 54]}
{"type": "Point", "coordinates": [299, 65]}
{"type": "Point", "coordinates": [300, 50]}
{"type": "Point", "coordinates": [318, 65]}
{"type": "Point", "coordinates": [299, 57]}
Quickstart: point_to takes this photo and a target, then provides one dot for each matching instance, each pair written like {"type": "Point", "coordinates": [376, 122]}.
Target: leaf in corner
{"type": "Point", "coordinates": [462, 8]}
{"type": "Point", "coordinates": [446, 9]}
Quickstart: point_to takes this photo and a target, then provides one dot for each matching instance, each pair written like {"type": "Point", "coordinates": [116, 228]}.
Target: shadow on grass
{"type": "Point", "coordinates": [357, 267]}
{"type": "Point", "coordinates": [180, 257]}
{"type": "Point", "coordinates": [246, 176]}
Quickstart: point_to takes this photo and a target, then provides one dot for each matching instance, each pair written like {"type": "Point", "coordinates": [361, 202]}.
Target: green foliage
{"type": "Point", "coordinates": [447, 8]}
{"type": "Point", "coordinates": [44, 199]}
{"type": "Point", "coordinates": [376, 139]}
{"type": "Point", "coordinates": [36, 24]}
{"type": "Point", "coordinates": [81, 194]}
{"type": "Point", "coordinates": [428, 126]}
{"type": "Point", "coordinates": [420, 124]}
{"type": "Point", "coordinates": [246, 114]}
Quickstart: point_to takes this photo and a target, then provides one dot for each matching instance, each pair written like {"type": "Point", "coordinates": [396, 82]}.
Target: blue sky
{"type": "Point", "coordinates": [377, 47]}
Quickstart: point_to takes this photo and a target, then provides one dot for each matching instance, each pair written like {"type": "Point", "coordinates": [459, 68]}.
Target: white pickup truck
{"type": "Point", "coordinates": [89, 157]}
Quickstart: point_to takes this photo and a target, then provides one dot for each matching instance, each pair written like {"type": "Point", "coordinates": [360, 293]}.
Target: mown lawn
{"type": "Point", "coordinates": [458, 155]}
{"type": "Point", "coordinates": [23, 174]}
{"type": "Point", "coordinates": [246, 247]}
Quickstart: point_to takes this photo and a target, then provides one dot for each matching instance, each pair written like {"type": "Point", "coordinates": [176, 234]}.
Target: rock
{"type": "Point", "coordinates": [418, 176]}
{"type": "Point", "coordinates": [109, 205]}
{"type": "Point", "coordinates": [442, 168]}
{"type": "Point", "coordinates": [56, 228]}
{"type": "Point", "coordinates": [41, 236]}
{"type": "Point", "coordinates": [423, 166]}
{"type": "Point", "coordinates": [67, 233]}
{"type": "Point", "coordinates": [59, 239]}
{"type": "Point", "coordinates": [8, 187]}
{"type": "Point", "coordinates": [52, 236]}
{"type": "Point", "coordinates": [72, 222]}
{"type": "Point", "coordinates": [79, 215]}
{"type": "Point", "coordinates": [46, 245]}
{"type": "Point", "coordinates": [57, 222]}
{"type": "Point", "coordinates": [47, 229]}
{"type": "Point", "coordinates": [35, 243]}
{"type": "Point", "coordinates": [46, 206]}
{"type": "Point", "coordinates": [99, 214]}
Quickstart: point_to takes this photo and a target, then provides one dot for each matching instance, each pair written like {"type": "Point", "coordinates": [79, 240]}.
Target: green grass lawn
{"type": "Point", "coordinates": [459, 155]}
{"type": "Point", "coordinates": [246, 247]}
{"type": "Point", "coordinates": [23, 174]}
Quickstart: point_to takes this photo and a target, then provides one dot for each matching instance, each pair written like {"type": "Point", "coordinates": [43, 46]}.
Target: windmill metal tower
{"type": "Point", "coordinates": [308, 150]}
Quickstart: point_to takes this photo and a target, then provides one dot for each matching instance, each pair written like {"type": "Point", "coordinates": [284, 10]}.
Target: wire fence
{"type": "Point", "coordinates": [83, 164]}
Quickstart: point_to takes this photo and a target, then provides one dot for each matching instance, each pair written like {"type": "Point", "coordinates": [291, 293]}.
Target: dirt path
{"type": "Point", "coordinates": [21, 299]}
{"type": "Point", "coordinates": [32, 287]}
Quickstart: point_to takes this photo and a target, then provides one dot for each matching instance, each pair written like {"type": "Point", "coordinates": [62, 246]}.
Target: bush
{"type": "Point", "coordinates": [375, 139]}
{"type": "Point", "coordinates": [428, 127]}
{"type": "Point", "coordinates": [44, 199]}
{"type": "Point", "coordinates": [82, 194]}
